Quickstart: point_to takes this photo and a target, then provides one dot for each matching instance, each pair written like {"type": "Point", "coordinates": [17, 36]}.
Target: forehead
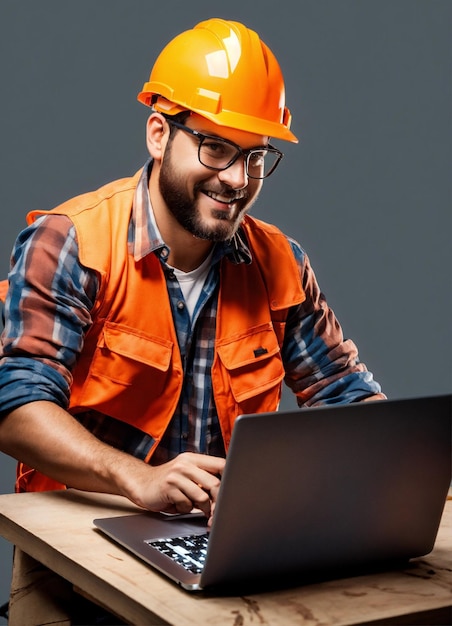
{"type": "Point", "coordinates": [240, 137]}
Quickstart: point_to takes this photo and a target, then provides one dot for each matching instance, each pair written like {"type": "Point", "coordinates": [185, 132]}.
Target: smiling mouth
{"type": "Point", "coordinates": [226, 199]}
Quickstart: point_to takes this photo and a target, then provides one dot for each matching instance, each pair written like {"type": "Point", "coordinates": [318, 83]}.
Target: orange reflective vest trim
{"type": "Point", "coordinates": [130, 367]}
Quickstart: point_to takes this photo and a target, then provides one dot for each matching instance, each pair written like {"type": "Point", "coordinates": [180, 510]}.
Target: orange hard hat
{"type": "Point", "coordinates": [224, 72]}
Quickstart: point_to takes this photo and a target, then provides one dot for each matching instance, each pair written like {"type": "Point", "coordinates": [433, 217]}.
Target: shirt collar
{"type": "Point", "coordinates": [144, 235]}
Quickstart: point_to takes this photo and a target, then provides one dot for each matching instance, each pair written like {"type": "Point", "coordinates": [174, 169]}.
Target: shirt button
{"type": "Point", "coordinates": [184, 436]}
{"type": "Point", "coordinates": [180, 305]}
{"type": "Point", "coordinates": [164, 253]}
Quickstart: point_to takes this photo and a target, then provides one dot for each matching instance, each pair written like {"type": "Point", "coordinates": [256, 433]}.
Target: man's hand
{"type": "Point", "coordinates": [188, 481]}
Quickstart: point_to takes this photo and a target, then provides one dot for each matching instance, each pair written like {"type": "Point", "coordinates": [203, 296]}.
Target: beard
{"type": "Point", "coordinates": [184, 208]}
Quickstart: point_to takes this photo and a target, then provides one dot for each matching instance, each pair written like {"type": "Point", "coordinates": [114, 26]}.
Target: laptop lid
{"type": "Point", "coordinates": [315, 491]}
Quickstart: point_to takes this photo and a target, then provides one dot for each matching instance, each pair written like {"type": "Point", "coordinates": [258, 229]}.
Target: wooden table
{"type": "Point", "coordinates": [55, 530]}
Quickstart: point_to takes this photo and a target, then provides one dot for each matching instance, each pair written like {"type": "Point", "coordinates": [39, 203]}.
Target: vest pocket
{"type": "Point", "coordinates": [121, 354]}
{"type": "Point", "coordinates": [253, 362]}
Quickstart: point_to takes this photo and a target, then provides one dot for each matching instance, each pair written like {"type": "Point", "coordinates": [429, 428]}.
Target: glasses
{"type": "Point", "coordinates": [218, 154]}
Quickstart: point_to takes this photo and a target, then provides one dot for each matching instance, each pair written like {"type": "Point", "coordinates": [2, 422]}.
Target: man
{"type": "Point", "coordinates": [144, 317]}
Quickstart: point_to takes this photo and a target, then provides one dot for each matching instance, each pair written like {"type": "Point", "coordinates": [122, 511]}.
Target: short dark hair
{"type": "Point", "coordinates": [179, 117]}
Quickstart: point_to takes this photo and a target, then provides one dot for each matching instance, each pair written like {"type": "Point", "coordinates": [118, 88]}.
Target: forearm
{"type": "Point", "coordinates": [321, 365]}
{"type": "Point", "coordinates": [49, 439]}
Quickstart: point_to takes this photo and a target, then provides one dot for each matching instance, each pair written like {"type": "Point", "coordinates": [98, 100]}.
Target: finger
{"type": "Point", "coordinates": [212, 464]}
{"type": "Point", "coordinates": [214, 491]}
{"type": "Point", "coordinates": [191, 493]}
{"type": "Point", "coordinates": [201, 498]}
{"type": "Point", "coordinates": [191, 480]}
{"type": "Point", "coordinates": [209, 483]}
{"type": "Point", "coordinates": [212, 511]}
{"type": "Point", "coordinates": [183, 494]}
{"type": "Point", "coordinates": [178, 503]}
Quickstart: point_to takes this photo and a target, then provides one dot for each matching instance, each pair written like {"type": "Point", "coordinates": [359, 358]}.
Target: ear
{"type": "Point", "coordinates": [157, 132]}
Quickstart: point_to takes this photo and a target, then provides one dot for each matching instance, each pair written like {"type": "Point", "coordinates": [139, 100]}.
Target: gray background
{"type": "Point", "coordinates": [367, 191]}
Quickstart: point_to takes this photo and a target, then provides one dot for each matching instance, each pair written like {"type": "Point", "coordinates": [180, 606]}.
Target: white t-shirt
{"type": "Point", "coordinates": [191, 283]}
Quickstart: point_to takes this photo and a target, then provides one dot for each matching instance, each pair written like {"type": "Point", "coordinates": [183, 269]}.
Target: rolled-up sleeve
{"type": "Point", "coordinates": [321, 366]}
{"type": "Point", "coordinates": [47, 314]}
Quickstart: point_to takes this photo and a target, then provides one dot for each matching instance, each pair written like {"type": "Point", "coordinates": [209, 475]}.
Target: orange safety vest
{"type": "Point", "coordinates": [3, 290]}
{"type": "Point", "coordinates": [130, 367]}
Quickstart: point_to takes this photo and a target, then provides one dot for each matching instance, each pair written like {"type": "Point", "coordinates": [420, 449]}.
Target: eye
{"type": "Point", "coordinates": [257, 158]}
{"type": "Point", "coordinates": [215, 149]}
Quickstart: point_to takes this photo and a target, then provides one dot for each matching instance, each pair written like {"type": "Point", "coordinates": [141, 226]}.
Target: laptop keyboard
{"type": "Point", "coordinates": [189, 551]}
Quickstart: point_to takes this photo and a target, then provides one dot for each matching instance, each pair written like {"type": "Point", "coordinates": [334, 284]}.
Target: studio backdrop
{"type": "Point", "coordinates": [367, 191]}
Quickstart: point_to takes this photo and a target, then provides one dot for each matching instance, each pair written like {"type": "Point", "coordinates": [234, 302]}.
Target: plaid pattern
{"type": "Point", "coordinates": [195, 426]}
{"type": "Point", "coordinates": [48, 314]}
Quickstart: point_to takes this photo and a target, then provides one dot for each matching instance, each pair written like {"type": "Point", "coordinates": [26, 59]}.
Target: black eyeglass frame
{"type": "Point", "coordinates": [240, 151]}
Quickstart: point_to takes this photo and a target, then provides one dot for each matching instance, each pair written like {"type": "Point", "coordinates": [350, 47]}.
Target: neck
{"type": "Point", "coordinates": [187, 252]}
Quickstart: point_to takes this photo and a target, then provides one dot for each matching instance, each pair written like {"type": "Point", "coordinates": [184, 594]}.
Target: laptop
{"type": "Point", "coordinates": [309, 494]}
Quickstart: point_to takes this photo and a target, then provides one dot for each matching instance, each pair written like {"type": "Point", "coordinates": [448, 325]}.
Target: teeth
{"type": "Point", "coordinates": [219, 198]}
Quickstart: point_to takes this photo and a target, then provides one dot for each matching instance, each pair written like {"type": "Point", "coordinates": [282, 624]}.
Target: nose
{"type": "Point", "coordinates": [235, 175]}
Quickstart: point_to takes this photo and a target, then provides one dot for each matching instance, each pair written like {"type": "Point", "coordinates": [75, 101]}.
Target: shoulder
{"type": "Point", "coordinates": [48, 230]}
{"type": "Point", "coordinates": [112, 191]}
{"type": "Point", "coordinates": [257, 227]}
